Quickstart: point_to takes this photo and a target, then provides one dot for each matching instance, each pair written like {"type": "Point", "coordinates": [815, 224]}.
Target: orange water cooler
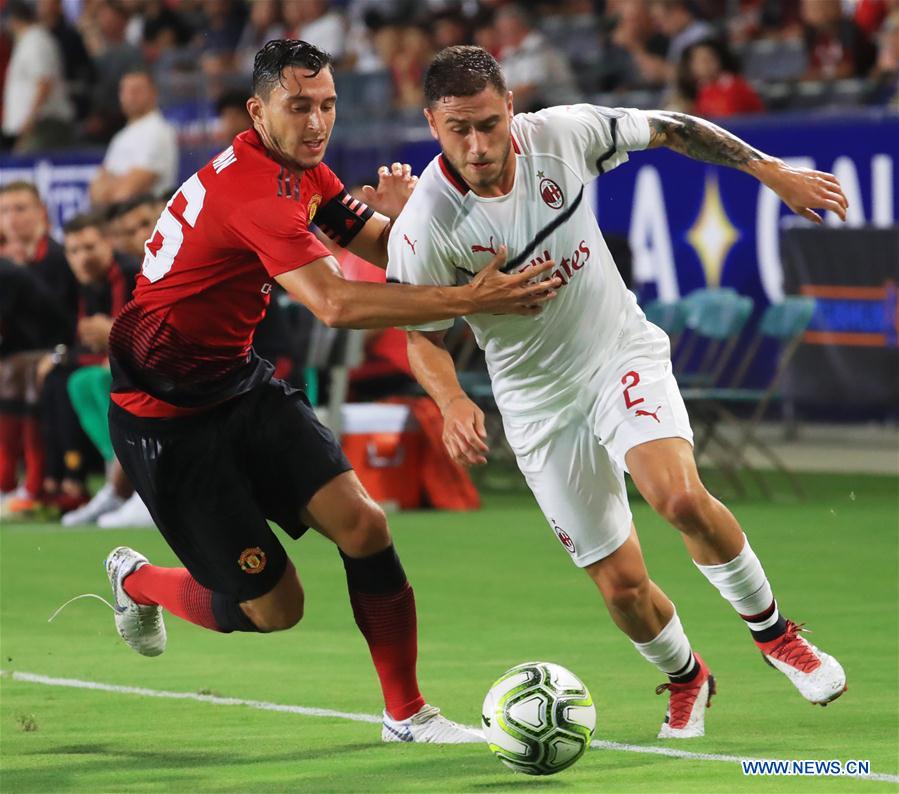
{"type": "Point", "coordinates": [385, 446]}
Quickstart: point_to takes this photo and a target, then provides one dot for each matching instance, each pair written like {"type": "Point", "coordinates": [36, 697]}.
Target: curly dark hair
{"type": "Point", "coordinates": [462, 70]}
{"type": "Point", "coordinates": [276, 55]}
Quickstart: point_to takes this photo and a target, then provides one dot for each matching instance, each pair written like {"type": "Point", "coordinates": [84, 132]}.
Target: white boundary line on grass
{"type": "Point", "coordinates": [261, 705]}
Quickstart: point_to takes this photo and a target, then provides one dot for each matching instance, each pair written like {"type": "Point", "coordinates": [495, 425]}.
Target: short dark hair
{"type": "Point", "coordinates": [462, 70]}
{"type": "Point", "coordinates": [275, 56]}
{"type": "Point", "coordinates": [20, 11]}
{"type": "Point", "coordinates": [233, 98]}
{"type": "Point", "coordinates": [86, 220]}
{"type": "Point", "coordinates": [139, 71]}
{"type": "Point", "coordinates": [124, 207]}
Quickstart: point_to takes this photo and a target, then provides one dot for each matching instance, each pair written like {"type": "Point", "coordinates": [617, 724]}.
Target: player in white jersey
{"type": "Point", "coordinates": [585, 389]}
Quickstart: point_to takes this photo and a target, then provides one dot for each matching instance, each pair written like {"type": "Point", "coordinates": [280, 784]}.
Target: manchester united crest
{"type": "Point", "coordinates": [551, 193]}
{"type": "Point", "coordinates": [252, 560]}
{"type": "Point", "coordinates": [313, 206]}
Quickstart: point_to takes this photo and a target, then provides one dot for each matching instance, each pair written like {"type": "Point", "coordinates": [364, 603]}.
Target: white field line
{"type": "Point", "coordinates": [261, 705]}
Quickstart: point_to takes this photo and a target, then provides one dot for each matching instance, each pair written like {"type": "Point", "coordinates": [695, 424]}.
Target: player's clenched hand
{"type": "Point", "coordinates": [395, 185]}
{"type": "Point", "coordinates": [496, 292]}
{"type": "Point", "coordinates": [464, 435]}
{"type": "Point", "coordinates": [803, 190]}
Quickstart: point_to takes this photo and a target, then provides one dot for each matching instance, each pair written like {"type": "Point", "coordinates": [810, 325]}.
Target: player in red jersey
{"type": "Point", "coordinates": [212, 443]}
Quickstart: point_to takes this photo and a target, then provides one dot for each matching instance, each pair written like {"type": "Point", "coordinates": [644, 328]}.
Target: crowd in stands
{"type": "Point", "coordinates": [57, 306]}
{"type": "Point", "coordinates": [64, 59]}
{"type": "Point", "coordinates": [58, 302]}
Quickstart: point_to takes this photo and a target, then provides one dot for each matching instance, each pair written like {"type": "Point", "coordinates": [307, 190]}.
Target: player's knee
{"type": "Point", "coordinates": [625, 593]}
{"type": "Point", "coordinates": [281, 609]}
{"type": "Point", "coordinates": [626, 598]}
{"type": "Point", "coordinates": [686, 508]}
{"type": "Point", "coordinates": [368, 532]}
{"type": "Point", "coordinates": [287, 617]}
{"type": "Point", "coordinates": [279, 616]}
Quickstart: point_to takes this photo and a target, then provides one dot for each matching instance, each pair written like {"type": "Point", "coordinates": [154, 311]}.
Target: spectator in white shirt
{"type": "Point", "coordinates": [37, 112]}
{"type": "Point", "coordinates": [315, 22]}
{"type": "Point", "coordinates": [143, 156]}
{"type": "Point", "coordinates": [536, 72]}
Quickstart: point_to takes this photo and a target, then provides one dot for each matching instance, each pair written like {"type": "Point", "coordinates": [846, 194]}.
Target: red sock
{"type": "Point", "coordinates": [388, 624]}
{"type": "Point", "coordinates": [175, 590]}
{"type": "Point", "coordinates": [10, 450]}
{"type": "Point", "coordinates": [34, 456]}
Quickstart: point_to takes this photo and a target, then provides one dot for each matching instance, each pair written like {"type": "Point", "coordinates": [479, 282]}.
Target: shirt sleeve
{"type": "Point", "coordinates": [277, 231]}
{"type": "Point", "coordinates": [595, 139]}
{"type": "Point", "coordinates": [416, 255]}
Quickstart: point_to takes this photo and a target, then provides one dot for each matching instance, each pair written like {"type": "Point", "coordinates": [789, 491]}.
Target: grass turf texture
{"type": "Point", "coordinates": [493, 589]}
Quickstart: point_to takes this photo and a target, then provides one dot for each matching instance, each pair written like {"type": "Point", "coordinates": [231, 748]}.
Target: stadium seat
{"type": "Point", "coordinates": [670, 317]}
{"type": "Point", "coordinates": [365, 95]}
{"type": "Point", "coordinates": [774, 60]}
{"type": "Point", "coordinates": [811, 94]}
{"type": "Point", "coordinates": [775, 95]}
{"type": "Point", "coordinates": [782, 324]}
{"type": "Point", "coordinates": [849, 93]}
{"type": "Point", "coordinates": [337, 350]}
{"type": "Point", "coordinates": [713, 321]}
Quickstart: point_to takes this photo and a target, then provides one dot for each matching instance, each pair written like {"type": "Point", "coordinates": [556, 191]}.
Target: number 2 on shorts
{"type": "Point", "coordinates": [629, 380]}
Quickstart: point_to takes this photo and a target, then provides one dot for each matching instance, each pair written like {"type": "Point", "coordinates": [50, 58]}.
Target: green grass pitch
{"type": "Point", "coordinates": [494, 589]}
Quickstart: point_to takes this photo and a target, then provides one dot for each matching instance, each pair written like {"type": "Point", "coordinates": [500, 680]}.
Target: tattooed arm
{"type": "Point", "coordinates": [801, 189]}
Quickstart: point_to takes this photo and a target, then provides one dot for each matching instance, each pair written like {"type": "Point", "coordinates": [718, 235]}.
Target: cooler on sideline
{"type": "Point", "coordinates": [385, 445]}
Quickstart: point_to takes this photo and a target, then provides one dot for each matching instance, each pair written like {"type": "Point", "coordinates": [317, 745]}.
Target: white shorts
{"type": "Point", "coordinates": [575, 462]}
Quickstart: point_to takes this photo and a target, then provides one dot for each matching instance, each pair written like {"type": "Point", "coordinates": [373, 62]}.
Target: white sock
{"type": "Point", "coordinates": [743, 583]}
{"type": "Point", "coordinates": [669, 650]}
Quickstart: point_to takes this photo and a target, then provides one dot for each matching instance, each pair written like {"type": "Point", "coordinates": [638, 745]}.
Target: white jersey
{"type": "Point", "coordinates": [446, 234]}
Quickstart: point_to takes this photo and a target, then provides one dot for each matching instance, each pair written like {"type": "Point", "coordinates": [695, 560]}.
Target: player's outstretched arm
{"type": "Point", "coordinates": [356, 304]}
{"type": "Point", "coordinates": [801, 189]}
{"type": "Point", "coordinates": [464, 434]}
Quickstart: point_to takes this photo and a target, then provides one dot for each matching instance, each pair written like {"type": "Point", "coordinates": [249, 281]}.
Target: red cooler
{"type": "Point", "coordinates": [384, 444]}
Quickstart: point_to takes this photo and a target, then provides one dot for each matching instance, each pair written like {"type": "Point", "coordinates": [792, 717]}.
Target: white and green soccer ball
{"type": "Point", "coordinates": [538, 718]}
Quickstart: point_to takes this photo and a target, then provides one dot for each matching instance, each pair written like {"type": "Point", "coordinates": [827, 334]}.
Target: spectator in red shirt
{"type": "Point", "coordinates": [710, 77]}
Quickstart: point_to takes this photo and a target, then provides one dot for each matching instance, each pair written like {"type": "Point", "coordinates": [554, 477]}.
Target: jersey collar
{"type": "Point", "coordinates": [452, 175]}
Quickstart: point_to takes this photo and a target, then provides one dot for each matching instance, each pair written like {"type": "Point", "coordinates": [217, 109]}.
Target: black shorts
{"type": "Point", "coordinates": [212, 480]}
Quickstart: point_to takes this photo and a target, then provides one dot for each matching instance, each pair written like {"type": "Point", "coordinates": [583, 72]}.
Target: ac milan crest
{"type": "Point", "coordinates": [563, 536]}
{"type": "Point", "coordinates": [551, 193]}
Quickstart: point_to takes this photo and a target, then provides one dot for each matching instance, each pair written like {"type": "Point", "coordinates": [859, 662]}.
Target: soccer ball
{"type": "Point", "coordinates": [538, 718]}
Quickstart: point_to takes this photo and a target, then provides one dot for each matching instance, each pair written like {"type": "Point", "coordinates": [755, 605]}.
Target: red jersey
{"type": "Point", "coordinates": [184, 343]}
{"type": "Point", "coordinates": [729, 95]}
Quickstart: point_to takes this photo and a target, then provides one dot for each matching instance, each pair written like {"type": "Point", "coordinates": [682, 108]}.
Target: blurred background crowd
{"type": "Point", "coordinates": [710, 57]}
{"type": "Point", "coordinates": [108, 104]}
